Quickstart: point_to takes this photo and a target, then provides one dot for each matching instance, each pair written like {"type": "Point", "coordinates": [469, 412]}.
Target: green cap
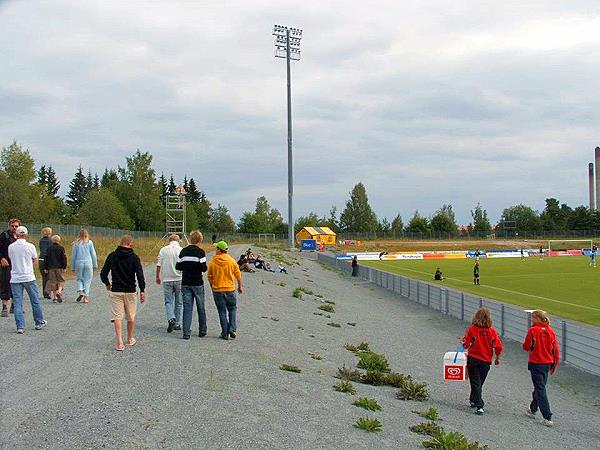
{"type": "Point", "coordinates": [221, 245]}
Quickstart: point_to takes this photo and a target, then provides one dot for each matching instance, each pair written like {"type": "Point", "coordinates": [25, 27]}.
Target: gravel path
{"type": "Point", "coordinates": [66, 386]}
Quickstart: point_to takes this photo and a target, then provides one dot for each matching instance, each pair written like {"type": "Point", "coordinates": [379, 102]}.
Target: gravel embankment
{"type": "Point", "coordinates": [66, 386]}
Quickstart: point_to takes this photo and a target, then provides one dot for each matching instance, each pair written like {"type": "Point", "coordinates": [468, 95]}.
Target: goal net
{"type": "Point", "coordinates": [265, 237]}
{"type": "Point", "coordinates": [569, 247]}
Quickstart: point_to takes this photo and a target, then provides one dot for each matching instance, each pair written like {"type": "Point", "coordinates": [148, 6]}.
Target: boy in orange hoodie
{"type": "Point", "coordinates": [544, 356]}
{"type": "Point", "coordinates": [223, 271]}
{"type": "Point", "coordinates": [481, 340]}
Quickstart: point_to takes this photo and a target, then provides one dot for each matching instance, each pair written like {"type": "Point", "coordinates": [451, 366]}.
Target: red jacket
{"type": "Point", "coordinates": [542, 345]}
{"type": "Point", "coordinates": [482, 342]}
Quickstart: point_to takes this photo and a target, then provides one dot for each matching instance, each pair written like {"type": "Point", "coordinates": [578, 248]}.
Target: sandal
{"type": "Point", "coordinates": [120, 349]}
{"type": "Point", "coordinates": [132, 343]}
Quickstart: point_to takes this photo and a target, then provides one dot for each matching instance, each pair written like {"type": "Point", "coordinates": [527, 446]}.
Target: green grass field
{"type": "Point", "coordinates": [563, 286]}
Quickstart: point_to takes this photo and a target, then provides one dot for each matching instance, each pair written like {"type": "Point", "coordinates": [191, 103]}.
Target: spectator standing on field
{"type": "Point", "coordinates": [192, 262]}
{"type": "Point", "coordinates": [23, 256]}
{"type": "Point", "coordinates": [54, 267]}
{"type": "Point", "coordinates": [124, 266]}
{"type": "Point", "coordinates": [171, 282]}
{"type": "Point", "coordinates": [476, 273]}
{"type": "Point", "coordinates": [355, 266]}
{"type": "Point", "coordinates": [83, 263]}
{"type": "Point", "coordinates": [223, 271]}
{"type": "Point", "coordinates": [45, 243]}
{"type": "Point", "coordinates": [544, 356]}
{"type": "Point", "coordinates": [7, 238]}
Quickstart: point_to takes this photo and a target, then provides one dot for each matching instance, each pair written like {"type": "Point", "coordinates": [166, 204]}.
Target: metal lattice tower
{"type": "Point", "coordinates": [175, 207]}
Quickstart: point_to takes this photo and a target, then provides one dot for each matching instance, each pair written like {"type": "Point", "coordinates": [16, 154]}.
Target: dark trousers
{"type": "Point", "coordinates": [539, 376]}
{"type": "Point", "coordinates": [478, 371]}
{"type": "Point", "coordinates": [226, 304]}
{"type": "Point", "coordinates": [355, 271]}
{"type": "Point", "coordinates": [44, 278]}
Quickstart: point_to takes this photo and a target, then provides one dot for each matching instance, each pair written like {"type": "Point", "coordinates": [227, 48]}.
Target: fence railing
{"type": "Point", "coordinates": [579, 343]}
{"type": "Point", "coordinates": [448, 235]}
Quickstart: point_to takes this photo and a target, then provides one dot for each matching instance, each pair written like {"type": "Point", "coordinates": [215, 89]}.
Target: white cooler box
{"type": "Point", "coordinates": [455, 366]}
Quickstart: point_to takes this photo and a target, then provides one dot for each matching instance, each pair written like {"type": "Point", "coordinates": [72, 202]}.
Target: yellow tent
{"type": "Point", "coordinates": [320, 234]}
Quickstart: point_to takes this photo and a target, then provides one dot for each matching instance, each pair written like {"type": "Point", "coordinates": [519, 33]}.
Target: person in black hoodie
{"type": "Point", "coordinates": [54, 267]}
{"type": "Point", "coordinates": [45, 243]}
{"type": "Point", "coordinates": [6, 238]}
{"type": "Point", "coordinates": [124, 266]}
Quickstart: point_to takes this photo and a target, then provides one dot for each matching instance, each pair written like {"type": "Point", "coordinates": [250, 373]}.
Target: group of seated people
{"type": "Point", "coordinates": [248, 262]}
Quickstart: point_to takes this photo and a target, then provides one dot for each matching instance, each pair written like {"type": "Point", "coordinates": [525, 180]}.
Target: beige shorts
{"type": "Point", "coordinates": [123, 305]}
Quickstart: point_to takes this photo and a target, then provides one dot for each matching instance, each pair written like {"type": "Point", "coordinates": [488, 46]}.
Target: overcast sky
{"type": "Point", "coordinates": [426, 102]}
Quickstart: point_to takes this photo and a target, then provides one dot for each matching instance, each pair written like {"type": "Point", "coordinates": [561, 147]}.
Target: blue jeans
{"type": "Point", "coordinates": [189, 293]}
{"type": "Point", "coordinates": [173, 305]}
{"type": "Point", "coordinates": [226, 303]}
{"type": "Point", "coordinates": [539, 376]}
{"type": "Point", "coordinates": [34, 298]}
{"type": "Point", "coordinates": [85, 273]}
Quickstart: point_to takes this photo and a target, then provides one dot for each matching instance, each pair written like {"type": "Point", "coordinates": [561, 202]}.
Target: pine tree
{"type": "Point", "coordinates": [185, 183]}
{"type": "Point", "coordinates": [172, 186]}
{"type": "Point", "coordinates": [52, 183]}
{"type": "Point", "coordinates": [96, 182]}
{"type": "Point", "coordinates": [42, 176]}
{"type": "Point", "coordinates": [397, 224]}
{"type": "Point", "coordinates": [193, 195]}
{"type": "Point", "coordinates": [77, 191]}
{"type": "Point", "coordinates": [358, 215]}
{"type": "Point", "coordinates": [162, 186]}
{"type": "Point", "coordinates": [89, 181]}
{"type": "Point", "coordinates": [109, 179]}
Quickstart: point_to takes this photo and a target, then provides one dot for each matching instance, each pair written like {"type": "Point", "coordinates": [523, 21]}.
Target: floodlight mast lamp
{"type": "Point", "coordinates": [287, 45]}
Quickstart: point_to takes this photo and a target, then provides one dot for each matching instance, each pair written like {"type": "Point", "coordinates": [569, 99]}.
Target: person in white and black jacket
{"type": "Point", "coordinates": [192, 262]}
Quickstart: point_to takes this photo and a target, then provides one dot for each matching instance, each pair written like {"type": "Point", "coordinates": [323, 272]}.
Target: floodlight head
{"type": "Point", "coordinates": [287, 37]}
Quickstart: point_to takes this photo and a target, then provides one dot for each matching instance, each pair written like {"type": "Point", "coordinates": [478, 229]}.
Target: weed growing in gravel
{"type": "Point", "coordinates": [307, 291]}
{"type": "Point", "coordinates": [452, 440]}
{"type": "Point", "coordinates": [318, 296]}
{"type": "Point", "coordinates": [395, 379]}
{"type": "Point", "coordinates": [289, 368]}
{"type": "Point", "coordinates": [282, 283]}
{"type": "Point", "coordinates": [368, 424]}
{"type": "Point", "coordinates": [352, 324]}
{"type": "Point", "coordinates": [411, 390]}
{"type": "Point", "coordinates": [300, 328]}
{"type": "Point", "coordinates": [372, 361]}
{"type": "Point", "coordinates": [344, 373]}
{"type": "Point", "coordinates": [363, 347]}
{"type": "Point", "coordinates": [334, 324]}
{"type": "Point", "coordinates": [367, 403]}
{"type": "Point", "coordinates": [311, 335]}
{"type": "Point", "coordinates": [212, 381]}
{"type": "Point", "coordinates": [275, 319]}
{"type": "Point", "coordinates": [297, 293]}
{"type": "Point", "coordinates": [373, 377]}
{"type": "Point", "coordinates": [431, 414]}
{"type": "Point", "coordinates": [345, 386]}
{"type": "Point", "coordinates": [426, 428]}
{"type": "Point", "coordinates": [318, 314]}
{"type": "Point", "coordinates": [264, 317]}
{"type": "Point", "coordinates": [351, 348]}
{"type": "Point", "coordinates": [315, 356]}
{"type": "Point", "coordinates": [327, 308]}
{"type": "Point", "coordinates": [328, 316]}
{"type": "Point", "coordinates": [331, 302]}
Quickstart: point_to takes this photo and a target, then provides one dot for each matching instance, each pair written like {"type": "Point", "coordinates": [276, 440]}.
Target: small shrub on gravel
{"type": "Point", "coordinates": [315, 356]}
{"type": "Point", "coordinates": [331, 302]}
{"type": "Point", "coordinates": [300, 327]}
{"type": "Point", "coordinates": [327, 308]}
{"type": "Point", "coordinates": [453, 441]}
{"type": "Point", "coordinates": [289, 368]}
{"type": "Point", "coordinates": [431, 414]}
{"type": "Point", "coordinates": [307, 291]}
{"type": "Point", "coordinates": [373, 377]}
{"type": "Point", "coordinates": [426, 428]}
{"type": "Point", "coordinates": [363, 347]}
{"type": "Point", "coordinates": [275, 319]}
{"type": "Point", "coordinates": [344, 373]}
{"type": "Point", "coordinates": [297, 293]}
{"type": "Point", "coordinates": [318, 314]}
{"type": "Point", "coordinates": [352, 324]}
{"type": "Point", "coordinates": [328, 316]}
{"type": "Point", "coordinates": [410, 390]}
{"type": "Point", "coordinates": [334, 324]}
{"type": "Point", "coordinates": [367, 403]}
{"type": "Point", "coordinates": [345, 386]}
{"type": "Point", "coordinates": [368, 424]}
{"type": "Point", "coordinates": [372, 361]}
{"type": "Point", "coordinates": [282, 284]}
{"type": "Point", "coordinates": [351, 348]}
{"type": "Point", "coordinates": [395, 379]}
{"type": "Point", "coordinates": [318, 296]}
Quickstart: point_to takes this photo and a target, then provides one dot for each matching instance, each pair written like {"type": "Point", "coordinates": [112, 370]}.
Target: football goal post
{"type": "Point", "coordinates": [266, 237]}
{"type": "Point", "coordinates": [568, 246]}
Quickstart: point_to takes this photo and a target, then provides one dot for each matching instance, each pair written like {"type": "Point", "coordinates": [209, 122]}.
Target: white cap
{"type": "Point", "coordinates": [21, 231]}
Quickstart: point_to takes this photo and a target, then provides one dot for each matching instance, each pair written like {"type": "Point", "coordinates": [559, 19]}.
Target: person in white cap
{"type": "Point", "coordinates": [23, 256]}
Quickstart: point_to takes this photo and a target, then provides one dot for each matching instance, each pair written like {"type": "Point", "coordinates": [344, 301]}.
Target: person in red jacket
{"type": "Point", "coordinates": [481, 341]}
{"type": "Point", "coordinates": [544, 356]}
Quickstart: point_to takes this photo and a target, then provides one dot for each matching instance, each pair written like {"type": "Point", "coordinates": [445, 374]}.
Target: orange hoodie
{"type": "Point", "coordinates": [223, 270]}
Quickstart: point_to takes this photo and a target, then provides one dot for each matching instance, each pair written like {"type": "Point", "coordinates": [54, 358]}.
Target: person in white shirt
{"type": "Point", "coordinates": [23, 256]}
{"type": "Point", "coordinates": [171, 282]}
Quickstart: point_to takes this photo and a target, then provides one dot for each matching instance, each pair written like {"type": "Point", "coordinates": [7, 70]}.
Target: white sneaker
{"type": "Point", "coordinates": [529, 413]}
{"type": "Point", "coordinates": [41, 325]}
{"type": "Point", "coordinates": [547, 423]}
{"type": "Point", "coordinates": [20, 331]}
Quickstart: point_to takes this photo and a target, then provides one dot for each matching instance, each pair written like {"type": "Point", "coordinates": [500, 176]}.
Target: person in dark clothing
{"type": "Point", "coordinates": [476, 273]}
{"type": "Point", "coordinates": [124, 267]}
{"type": "Point", "coordinates": [244, 264]}
{"type": "Point", "coordinates": [55, 265]}
{"type": "Point", "coordinates": [45, 243]}
{"type": "Point", "coordinates": [438, 275]}
{"type": "Point", "coordinates": [355, 266]}
{"type": "Point", "coordinates": [6, 238]}
{"type": "Point", "coordinates": [192, 263]}
{"type": "Point", "coordinates": [214, 238]}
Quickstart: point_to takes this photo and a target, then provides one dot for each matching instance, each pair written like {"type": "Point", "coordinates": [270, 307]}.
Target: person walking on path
{"type": "Point", "coordinates": [192, 262]}
{"type": "Point", "coordinates": [171, 281]}
{"type": "Point", "coordinates": [476, 273]}
{"type": "Point", "coordinates": [544, 356]}
{"type": "Point", "coordinates": [355, 266]}
{"type": "Point", "coordinates": [124, 266]}
{"type": "Point", "coordinates": [23, 256]}
{"type": "Point", "coordinates": [482, 341]}
{"type": "Point", "coordinates": [54, 267]}
{"type": "Point", "coordinates": [83, 263]}
{"type": "Point", "coordinates": [45, 243]}
{"type": "Point", "coordinates": [223, 271]}
{"type": "Point", "coordinates": [7, 238]}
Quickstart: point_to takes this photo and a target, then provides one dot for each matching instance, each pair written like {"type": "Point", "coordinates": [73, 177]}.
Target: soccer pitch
{"type": "Point", "coordinates": [563, 286]}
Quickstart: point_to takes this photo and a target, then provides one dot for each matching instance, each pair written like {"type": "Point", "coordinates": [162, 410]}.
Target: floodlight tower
{"type": "Point", "coordinates": [287, 45]}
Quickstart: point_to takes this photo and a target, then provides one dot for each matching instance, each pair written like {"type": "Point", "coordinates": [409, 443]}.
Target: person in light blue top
{"type": "Point", "coordinates": [83, 263]}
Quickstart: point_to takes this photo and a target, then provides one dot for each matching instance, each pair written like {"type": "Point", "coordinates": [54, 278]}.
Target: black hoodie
{"type": "Point", "coordinates": [124, 266]}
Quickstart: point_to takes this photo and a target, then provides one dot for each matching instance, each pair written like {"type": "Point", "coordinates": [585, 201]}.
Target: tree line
{"type": "Point", "coordinates": [133, 197]}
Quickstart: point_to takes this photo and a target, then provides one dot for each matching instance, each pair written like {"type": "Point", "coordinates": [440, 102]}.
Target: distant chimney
{"type": "Point", "coordinates": [591, 183]}
{"type": "Point", "coordinates": [597, 165]}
